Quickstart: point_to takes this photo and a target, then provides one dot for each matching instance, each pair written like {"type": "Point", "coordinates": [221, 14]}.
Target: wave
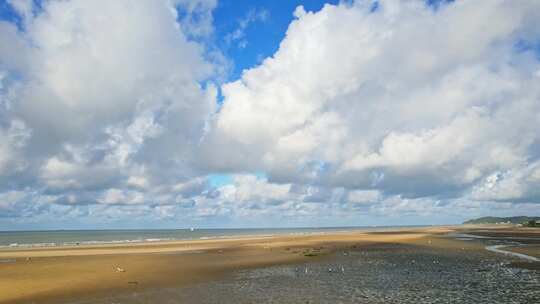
{"type": "Point", "coordinates": [78, 243]}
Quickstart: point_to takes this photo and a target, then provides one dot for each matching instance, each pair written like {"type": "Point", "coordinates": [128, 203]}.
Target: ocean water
{"type": "Point", "coordinates": [85, 237]}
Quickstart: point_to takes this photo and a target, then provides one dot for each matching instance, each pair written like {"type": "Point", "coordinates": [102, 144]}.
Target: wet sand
{"type": "Point", "coordinates": [90, 273]}
{"type": "Point", "coordinates": [531, 250]}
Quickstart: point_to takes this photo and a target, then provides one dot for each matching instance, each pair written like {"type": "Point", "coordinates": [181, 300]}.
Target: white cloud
{"type": "Point", "coordinates": [516, 184]}
{"type": "Point", "coordinates": [12, 140]}
{"type": "Point", "coordinates": [406, 99]}
{"type": "Point", "coordinates": [101, 100]}
{"type": "Point", "coordinates": [196, 16]}
{"type": "Point", "coordinates": [97, 80]}
{"type": "Point", "coordinates": [364, 196]}
{"type": "Point", "coordinates": [98, 68]}
{"type": "Point", "coordinates": [107, 111]}
{"type": "Point", "coordinates": [118, 196]}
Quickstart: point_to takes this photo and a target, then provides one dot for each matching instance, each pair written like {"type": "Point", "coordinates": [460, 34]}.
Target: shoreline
{"type": "Point", "coordinates": [265, 232]}
{"type": "Point", "coordinates": [186, 245]}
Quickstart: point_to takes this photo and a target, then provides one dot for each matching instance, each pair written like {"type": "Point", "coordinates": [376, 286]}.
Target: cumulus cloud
{"type": "Point", "coordinates": [516, 184]}
{"type": "Point", "coordinates": [97, 96]}
{"type": "Point", "coordinates": [108, 110]}
{"type": "Point", "coordinates": [12, 138]}
{"type": "Point", "coordinates": [196, 16]}
{"type": "Point", "coordinates": [407, 99]}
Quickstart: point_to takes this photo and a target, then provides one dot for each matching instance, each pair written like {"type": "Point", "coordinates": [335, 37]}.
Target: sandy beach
{"type": "Point", "coordinates": [73, 273]}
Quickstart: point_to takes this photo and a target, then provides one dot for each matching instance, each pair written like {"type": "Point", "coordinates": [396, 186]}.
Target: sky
{"type": "Point", "coordinates": [208, 113]}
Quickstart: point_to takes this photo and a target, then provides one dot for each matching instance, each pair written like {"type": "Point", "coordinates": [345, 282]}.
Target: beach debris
{"type": "Point", "coordinates": [133, 283]}
{"type": "Point", "coordinates": [120, 269]}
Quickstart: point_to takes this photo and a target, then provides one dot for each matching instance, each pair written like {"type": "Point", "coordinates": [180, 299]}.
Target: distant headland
{"type": "Point", "coordinates": [524, 220]}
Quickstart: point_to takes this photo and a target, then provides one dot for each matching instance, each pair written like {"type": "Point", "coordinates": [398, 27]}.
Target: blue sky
{"type": "Point", "coordinates": [262, 36]}
{"type": "Point", "coordinates": [253, 113]}
{"type": "Point", "coordinates": [8, 13]}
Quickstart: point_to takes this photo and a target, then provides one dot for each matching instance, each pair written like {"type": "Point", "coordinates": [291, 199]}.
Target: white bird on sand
{"type": "Point", "coordinates": [119, 269]}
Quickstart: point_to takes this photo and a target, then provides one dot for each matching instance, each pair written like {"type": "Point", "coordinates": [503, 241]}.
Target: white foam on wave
{"type": "Point", "coordinates": [16, 245]}
{"type": "Point", "coordinates": [75, 243]}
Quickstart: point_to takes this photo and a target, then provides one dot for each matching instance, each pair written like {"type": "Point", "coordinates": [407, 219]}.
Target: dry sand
{"type": "Point", "coordinates": [51, 275]}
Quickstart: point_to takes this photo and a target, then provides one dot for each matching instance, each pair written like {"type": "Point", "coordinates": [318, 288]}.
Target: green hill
{"type": "Point", "coordinates": [511, 220]}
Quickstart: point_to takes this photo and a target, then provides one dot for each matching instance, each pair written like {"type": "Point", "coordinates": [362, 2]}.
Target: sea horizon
{"type": "Point", "coordinates": [220, 228]}
{"type": "Point", "coordinates": [69, 237]}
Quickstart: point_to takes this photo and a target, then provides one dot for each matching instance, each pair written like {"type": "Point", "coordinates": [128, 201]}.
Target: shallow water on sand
{"type": "Point", "coordinates": [389, 273]}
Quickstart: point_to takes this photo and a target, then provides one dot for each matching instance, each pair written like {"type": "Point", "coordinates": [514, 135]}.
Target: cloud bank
{"type": "Point", "coordinates": [109, 113]}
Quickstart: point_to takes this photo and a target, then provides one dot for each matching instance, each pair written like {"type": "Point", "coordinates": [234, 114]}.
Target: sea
{"type": "Point", "coordinates": [53, 238]}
